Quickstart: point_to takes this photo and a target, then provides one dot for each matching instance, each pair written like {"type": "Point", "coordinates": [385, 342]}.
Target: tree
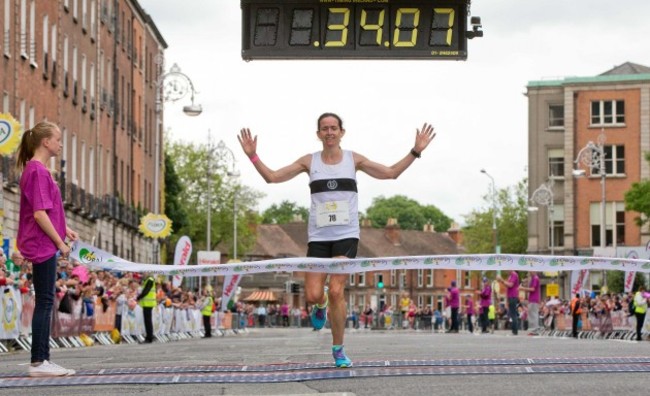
{"type": "Point", "coordinates": [173, 190]}
{"type": "Point", "coordinates": [191, 164]}
{"type": "Point", "coordinates": [284, 213]}
{"type": "Point", "coordinates": [616, 281]}
{"type": "Point", "coordinates": [636, 199]}
{"type": "Point", "coordinates": [512, 222]}
{"type": "Point", "coordinates": [410, 214]}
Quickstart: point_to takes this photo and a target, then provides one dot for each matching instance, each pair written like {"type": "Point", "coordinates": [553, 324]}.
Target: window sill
{"type": "Point", "coordinates": [600, 126]}
{"type": "Point", "coordinates": [555, 129]}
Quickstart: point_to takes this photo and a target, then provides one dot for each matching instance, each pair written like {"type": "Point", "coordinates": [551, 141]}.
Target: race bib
{"type": "Point", "coordinates": [332, 213]}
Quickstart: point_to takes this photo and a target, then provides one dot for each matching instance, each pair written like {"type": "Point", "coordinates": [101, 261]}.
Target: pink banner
{"type": "Point", "coordinates": [629, 280]}
{"type": "Point", "coordinates": [578, 281]}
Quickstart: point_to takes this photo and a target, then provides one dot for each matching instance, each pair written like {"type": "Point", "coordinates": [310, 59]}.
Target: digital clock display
{"type": "Point", "coordinates": [354, 29]}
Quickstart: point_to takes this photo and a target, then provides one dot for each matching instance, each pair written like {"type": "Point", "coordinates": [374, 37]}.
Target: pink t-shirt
{"type": "Point", "coordinates": [534, 296]}
{"type": "Point", "coordinates": [38, 192]}
{"type": "Point", "coordinates": [513, 292]}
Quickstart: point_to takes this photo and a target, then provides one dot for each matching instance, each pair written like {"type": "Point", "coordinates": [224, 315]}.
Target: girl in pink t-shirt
{"type": "Point", "coordinates": [41, 235]}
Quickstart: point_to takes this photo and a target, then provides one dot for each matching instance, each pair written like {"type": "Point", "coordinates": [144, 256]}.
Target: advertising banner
{"type": "Point", "coordinates": [182, 256]}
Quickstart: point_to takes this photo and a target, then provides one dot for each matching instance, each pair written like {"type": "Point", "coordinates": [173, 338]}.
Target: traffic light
{"type": "Point", "coordinates": [380, 281]}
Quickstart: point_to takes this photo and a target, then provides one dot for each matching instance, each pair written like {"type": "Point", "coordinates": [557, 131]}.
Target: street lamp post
{"type": "Point", "coordinates": [170, 87]}
{"type": "Point", "coordinates": [225, 154]}
{"type": "Point", "coordinates": [495, 235]}
{"type": "Point", "coordinates": [592, 156]}
{"type": "Point", "coordinates": [544, 196]}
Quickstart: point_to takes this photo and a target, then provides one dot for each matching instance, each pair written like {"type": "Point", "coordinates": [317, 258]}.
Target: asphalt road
{"type": "Point", "coordinates": [284, 346]}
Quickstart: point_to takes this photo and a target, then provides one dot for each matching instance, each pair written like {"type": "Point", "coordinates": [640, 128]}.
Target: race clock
{"type": "Point", "coordinates": [355, 29]}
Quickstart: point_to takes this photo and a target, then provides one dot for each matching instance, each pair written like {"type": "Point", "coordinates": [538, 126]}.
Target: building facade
{"type": "Point", "coordinates": [90, 67]}
{"type": "Point", "coordinates": [567, 117]}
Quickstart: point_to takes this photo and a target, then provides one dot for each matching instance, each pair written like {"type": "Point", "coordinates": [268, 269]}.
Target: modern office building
{"type": "Point", "coordinates": [90, 67]}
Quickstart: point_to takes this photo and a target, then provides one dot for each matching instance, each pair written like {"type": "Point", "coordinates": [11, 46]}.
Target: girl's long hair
{"type": "Point", "coordinates": [31, 140]}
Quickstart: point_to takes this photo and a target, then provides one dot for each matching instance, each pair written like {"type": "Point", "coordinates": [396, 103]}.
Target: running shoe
{"type": "Point", "coordinates": [340, 359]}
{"type": "Point", "coordinates": [319, 316]}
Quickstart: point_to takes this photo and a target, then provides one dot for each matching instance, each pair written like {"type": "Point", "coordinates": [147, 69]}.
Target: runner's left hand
{"type": "Point", "coordinates": [423, 137]}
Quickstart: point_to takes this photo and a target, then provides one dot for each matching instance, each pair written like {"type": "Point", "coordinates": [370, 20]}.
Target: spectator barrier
{"type": "Point", "coordinates": [621, 326]}
{"type": "Point", "coordinates": [85, 325]}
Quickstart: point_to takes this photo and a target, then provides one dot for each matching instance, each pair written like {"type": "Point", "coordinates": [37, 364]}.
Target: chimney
{"type": "Point", "coordinates": [428, 227]}
{"type": "Point", "coordinates": [366, 223]}
{"type": "Point", "coordinates": [391, 232]}
{"type": "Point", "coordinates": [455, 234]}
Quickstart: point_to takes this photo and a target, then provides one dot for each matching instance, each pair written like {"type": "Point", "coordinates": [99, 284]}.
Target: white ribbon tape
{"type": "Point", "coordinates": [98, 259]}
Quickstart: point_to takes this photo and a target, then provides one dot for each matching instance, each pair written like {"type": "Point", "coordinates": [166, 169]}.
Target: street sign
{"type": "Point", "coordinates": [356, 29]}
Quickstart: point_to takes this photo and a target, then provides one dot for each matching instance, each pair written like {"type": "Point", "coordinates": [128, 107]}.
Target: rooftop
{"type": "Point", "coordinates": [626, 72]}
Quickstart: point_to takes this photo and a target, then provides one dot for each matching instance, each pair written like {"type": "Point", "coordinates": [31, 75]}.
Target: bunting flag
{"type": "Point", "coordinates": [96, 258]}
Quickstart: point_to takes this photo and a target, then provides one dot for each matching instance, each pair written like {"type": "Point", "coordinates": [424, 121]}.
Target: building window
{"type": "Point", "coordinates": [393, 278]}
{"type": "Point", "coordinates": [83, 166]}
{"type": "Point", "coordinates": [73, 162]}
{"type": "Point", "coordinates": [614, 223]}
{"type": "Point", "coordinates": [32, 117]}
{"type": "Point", "coordinates": [46, 42]}
{"type": "Point", "coordinates": [555, 163]}
{"type": "Point", "coordinates": [556, 116]}
{"type": "Point", "coordinates": [362, 279]}
{"type": "Point", "coordinates": [23, 28]}
{"type": "Point", "coordinates": [620, 227]}
{"type": "Point", "coordinates": [420, 300]}
{"type": "Point", "coordinates": [64, 142]}
{"type": "Point", "coordinates": [402, 278]}
{"type": "Point", "coordinates": [32, 32]}
{"type": "Point", "coordinates": [5, 102]}
{"type": "Point", "coordinates": [91, 171]}
{"type": "Point", "coordinates": [6, 41]}
{"type": "Point", "coordinates": [614, 160]}
{"type": "Point", "coordinates": [352, 302]}
{"type": "Point", "coordinates": [439, 302]}
{"type": "Point", "coordinates": [429, 275]}
{"type": "Point", "coordinates": [420, 277]}
{"type": "Point", "coordinates": [352, 276]}
{"type": "Point", "coordinates": [84, 14]}
{"type": "Point", "coordinates": [468, 279]}
{"type": "Point", "coordinates": [607, 112]}
{"type": "Point", "coordinates": [558, 226]}
{"type": "Point", "coordinates": [53, 38]}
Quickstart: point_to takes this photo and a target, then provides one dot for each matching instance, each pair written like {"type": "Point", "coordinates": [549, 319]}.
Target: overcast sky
{"type": "Point", "coordinates": [477, 106]}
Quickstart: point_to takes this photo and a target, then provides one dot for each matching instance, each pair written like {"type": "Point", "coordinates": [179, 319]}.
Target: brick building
{"type": "Point", "coordinates": [88, 66]}
{"type": "Point", "coordinates": [425, 287]}
{"type": "Point", "coordinates": [612, 108]}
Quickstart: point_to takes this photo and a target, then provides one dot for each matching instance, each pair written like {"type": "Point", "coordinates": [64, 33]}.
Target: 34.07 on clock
{"type": "Point", "coordinates": [356, 29]}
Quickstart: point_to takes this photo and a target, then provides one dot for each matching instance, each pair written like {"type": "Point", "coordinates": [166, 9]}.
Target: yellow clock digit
{"type": "Point", "coordinates": [378, 27]}
{"type": "Point", "coordinates": [443, 22]}
{"type": "Point", "coordinates": [338, 20]}
{"type": "Point", "coordinates": [407, 19]}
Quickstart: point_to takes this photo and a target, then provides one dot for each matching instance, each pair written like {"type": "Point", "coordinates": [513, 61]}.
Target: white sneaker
{"type": "Point", "coordinates": [49, 369]}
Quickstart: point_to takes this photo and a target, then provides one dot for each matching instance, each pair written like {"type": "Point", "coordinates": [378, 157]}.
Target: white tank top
{"type": "Point", "coordinates": [334, 213]}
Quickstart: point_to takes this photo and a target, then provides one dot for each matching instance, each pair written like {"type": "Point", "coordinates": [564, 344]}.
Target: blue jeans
{"type": "Point", "coordinates": [512, 313]}
{"type": "Point", "coordinates": [44, 277]}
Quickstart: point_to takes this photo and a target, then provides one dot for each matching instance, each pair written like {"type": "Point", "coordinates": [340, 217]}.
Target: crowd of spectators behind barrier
{"type": "Point", "coordinates": [123, 288]}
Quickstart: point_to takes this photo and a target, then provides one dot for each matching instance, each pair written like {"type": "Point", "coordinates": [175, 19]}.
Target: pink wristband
{"type": "Point", "coordinates": [254, 158]}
